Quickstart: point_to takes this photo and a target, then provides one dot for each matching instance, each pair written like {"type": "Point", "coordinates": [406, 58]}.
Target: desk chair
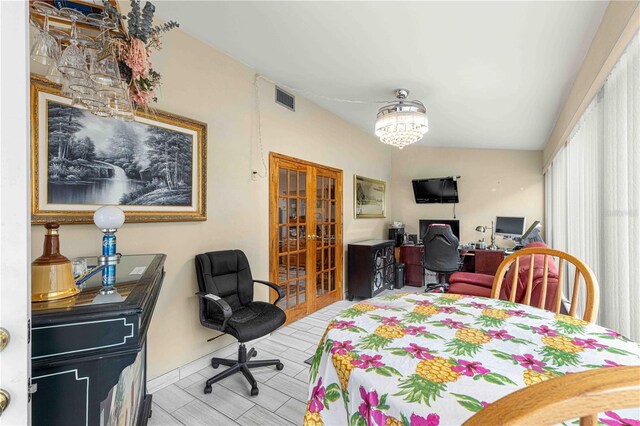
{"type": "Point", "coordinates": [226, 305]}
{"type": "Point", "coordinates": [440, 254]}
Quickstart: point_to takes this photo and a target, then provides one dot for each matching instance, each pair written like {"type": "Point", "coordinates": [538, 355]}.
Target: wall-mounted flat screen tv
{"type": "Point", "coordinates": [435, 190]}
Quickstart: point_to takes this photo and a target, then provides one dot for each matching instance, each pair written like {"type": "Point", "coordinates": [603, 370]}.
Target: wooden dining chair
{"type": "Point", "coordinates": [578, 395]}
{"type": "Point", "coordinates": [581, 270]}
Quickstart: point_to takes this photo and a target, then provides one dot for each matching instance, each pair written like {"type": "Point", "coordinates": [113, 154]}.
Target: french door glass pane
{"type": "Point", "coordinates": [292, 236]}
{"type": "Point", "coordinates": [283, 182]}
{"type": "Point", "coordinates": [319, 283]}
{"type": "Point", "coordinates": [302, 214]}
{"type": "Point", "coordinates": [293, 183]}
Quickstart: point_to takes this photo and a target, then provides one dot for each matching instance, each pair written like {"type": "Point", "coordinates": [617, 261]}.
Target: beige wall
{"type": "Point", "coordinates": [619, 24]}
{"type": "Point", "coordinates": [204, 84]}
{"type": "Point", "coordinates": [493, 183]}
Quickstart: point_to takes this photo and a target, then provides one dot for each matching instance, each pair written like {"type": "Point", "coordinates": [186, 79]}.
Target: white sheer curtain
{"type": "Point", "coordinates": [620, 304]}
{"type": "Point", "coordinates": [592, 194]}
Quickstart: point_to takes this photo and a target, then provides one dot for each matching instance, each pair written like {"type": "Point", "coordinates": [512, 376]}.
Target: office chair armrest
{"type": "Point", "coordinates": [218, 301]}
{"type": "Point", "coordinates": [280, 290]}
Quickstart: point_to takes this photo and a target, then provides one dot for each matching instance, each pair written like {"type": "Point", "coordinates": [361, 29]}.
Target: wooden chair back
{"type": "Point", "coordinates": [581, 270]}
{"type": "Point", "coordinates": [579, 395]}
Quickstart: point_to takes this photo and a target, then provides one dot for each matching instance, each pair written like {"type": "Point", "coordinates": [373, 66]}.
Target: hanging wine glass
{"type": "Point", "coordinates": [54, 75]}
{"type": "Point", "coordinates": [72, 62]}
{"type": "Point", "coordinates": [45, 49]}
{"type": "Point", "coordinates": [103, 68]}
{"type": "Point", "coordinates": [67, 92]}
{"type": "Point", "coordinates": [122, 108]}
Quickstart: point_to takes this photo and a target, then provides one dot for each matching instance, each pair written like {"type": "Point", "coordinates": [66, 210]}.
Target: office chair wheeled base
{"type": "Point", "coordinates": [242, 364]}
{"type": "Point", "coordinates": [441, 284]}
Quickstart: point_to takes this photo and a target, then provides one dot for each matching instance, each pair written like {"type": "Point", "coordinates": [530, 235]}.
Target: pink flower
{"type": "Point", "coordinates": [500, 334]}
{"type": "Point", "coordinates": [138, 59]}
{"type": "Point", "coordinates": [367, 361]}
{"type": "Point", "coordinates": [367, 409]}
{"type": "Point", "coordinates": [431, 420]}
{"type": "Point", "coordinates": [317, 397]}
{"type": "Point", "coordinates": [613, 333]}
{"type": "Point", "coordinates": [479, 305]}
{"type": "Point", "coordinates": [448, 309]}
{"type": "Point", "coordinates": [413, 330]}
{"type": "Point", "coordinates": [453, 324]}
{"type": "Point", "coordinates": [418, 351]}
{"type": "Point", "coordinates": [424, 303]}
{"type": "Point", "coordinates": [390, 321]}
{"type": "Point", "coordinates": [341, 347]}
{"type": "Point", "coordinates": [545, 331]}
{"type": "Point", "coordinates": [588, 343]}
{"type": "Point", "coordinates": [518, 313]}
{"type": "Point", "coordinates": [609, 363]}
{"type": "Point", "coordinates": [530, 363]}
{"type": "Point", "coordinates": [343, 324]}
{"type": "Point", "coordinates": [141, 97]}
{"type": "Point", "coordinates": [484, 404]}
{"type": "Point", "coordinates": [469, 369]}
{"type": "Point", "coordinates": [616, 420]}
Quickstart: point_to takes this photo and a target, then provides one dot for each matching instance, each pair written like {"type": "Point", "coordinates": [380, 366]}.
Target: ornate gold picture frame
{"type": "Point", "coordinates": [154, 168]}
{"type": "Point", "coordinates": [369, 198]}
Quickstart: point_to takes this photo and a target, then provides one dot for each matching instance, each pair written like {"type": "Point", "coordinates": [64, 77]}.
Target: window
{"type": "Point", "coordinates": [592, 194]}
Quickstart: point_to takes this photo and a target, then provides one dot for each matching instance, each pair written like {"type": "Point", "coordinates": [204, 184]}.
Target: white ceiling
{"type": "Point", "coordinates": [491, 74]}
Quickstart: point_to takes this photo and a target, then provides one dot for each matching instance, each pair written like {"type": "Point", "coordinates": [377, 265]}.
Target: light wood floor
{"type": "Point", "coordinates": [282, 396]}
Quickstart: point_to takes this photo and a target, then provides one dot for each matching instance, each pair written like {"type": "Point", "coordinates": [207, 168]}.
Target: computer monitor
{"type": "Point", "coordinates": [529, 231]}
{"type": "Point", "coordinates": [531, 235]}
{"type": "Point", "coordinates": [424, 225]}
{"type": "Point", "coordinates": [510, 227]}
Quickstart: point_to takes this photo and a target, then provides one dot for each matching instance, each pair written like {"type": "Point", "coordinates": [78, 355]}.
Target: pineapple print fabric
{"type": "Point", "coordinates": [436, 359]}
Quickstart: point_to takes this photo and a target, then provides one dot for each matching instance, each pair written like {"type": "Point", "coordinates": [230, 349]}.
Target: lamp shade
{"type": "Point", "coordinates": [108, 217]}
{"type": "Point", "coordinates": [481, 228]}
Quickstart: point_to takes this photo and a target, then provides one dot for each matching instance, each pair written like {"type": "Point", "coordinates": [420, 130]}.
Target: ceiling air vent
{"type": "Point", "coordinates": [285, 99]}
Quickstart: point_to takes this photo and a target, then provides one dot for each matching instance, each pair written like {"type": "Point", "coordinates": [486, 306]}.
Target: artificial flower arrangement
{"type": "Point", "coordinates": [133, 52]}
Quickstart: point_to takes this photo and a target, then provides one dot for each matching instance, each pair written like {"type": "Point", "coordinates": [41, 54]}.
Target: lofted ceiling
{"type": "Point", "coordinates": [491, 74]}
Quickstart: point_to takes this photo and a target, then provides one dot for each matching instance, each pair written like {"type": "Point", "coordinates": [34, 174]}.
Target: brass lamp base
{"type": "Point", "coordinates": [52, 282]}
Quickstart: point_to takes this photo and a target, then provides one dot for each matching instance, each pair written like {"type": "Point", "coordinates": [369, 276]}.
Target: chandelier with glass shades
{"type": "Point", "coordinates": [402, 122]}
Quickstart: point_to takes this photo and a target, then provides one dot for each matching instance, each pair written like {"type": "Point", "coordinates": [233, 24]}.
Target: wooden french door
{"type": "Point", "coordinates": [305, 215]}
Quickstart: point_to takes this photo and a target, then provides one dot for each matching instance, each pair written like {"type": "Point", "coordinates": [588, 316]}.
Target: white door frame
{"type": "Point", "coordinates": [15, 227]}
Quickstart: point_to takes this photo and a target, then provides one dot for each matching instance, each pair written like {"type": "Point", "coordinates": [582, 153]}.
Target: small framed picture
{"type": "Point", "coordinates": [369, 197]}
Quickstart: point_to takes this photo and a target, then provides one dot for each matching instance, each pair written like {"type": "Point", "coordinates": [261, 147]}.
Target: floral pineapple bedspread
{"type": "Point", "coordinates": [436, 359]}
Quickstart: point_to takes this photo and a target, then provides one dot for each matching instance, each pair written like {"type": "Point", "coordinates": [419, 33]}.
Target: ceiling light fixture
{"type": "Point", "coordinates": [402, 122]}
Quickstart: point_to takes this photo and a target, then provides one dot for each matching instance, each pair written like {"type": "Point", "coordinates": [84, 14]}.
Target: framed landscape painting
{"type": "Point", "coordinates": [153, 168]}
{"type": "Point", "coordinates": [369, 197]}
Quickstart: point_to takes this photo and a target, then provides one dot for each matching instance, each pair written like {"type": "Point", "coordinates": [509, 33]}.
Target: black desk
{"type": "Point", "coordinates": [89, 351]}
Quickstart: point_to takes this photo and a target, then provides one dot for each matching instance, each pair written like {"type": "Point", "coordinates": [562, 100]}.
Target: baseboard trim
{"type": "Point", "coordinates": [188, 369]}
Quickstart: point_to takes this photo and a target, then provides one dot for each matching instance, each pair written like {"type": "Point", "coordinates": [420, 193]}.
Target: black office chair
{"type": "Point", "coordinates": [226, 305]}
{"type": "Point", "coordinates": [440, 254]}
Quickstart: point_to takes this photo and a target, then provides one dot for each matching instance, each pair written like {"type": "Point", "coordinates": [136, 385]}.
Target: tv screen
{"type": "Point", "coordinates": [437, 190]}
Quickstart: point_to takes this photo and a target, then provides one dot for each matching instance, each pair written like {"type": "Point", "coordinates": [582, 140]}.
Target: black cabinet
{"type": "Point", "coordinates": [89, 360]}
{"type": "Point", "coordinates": [371, 267]}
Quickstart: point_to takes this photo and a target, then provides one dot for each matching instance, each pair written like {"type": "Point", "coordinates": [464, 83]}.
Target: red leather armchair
{"type": "Point", "coordinates": [480, 284]}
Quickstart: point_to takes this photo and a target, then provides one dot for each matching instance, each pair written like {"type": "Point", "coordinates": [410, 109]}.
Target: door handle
{"type": "Point", "coordinates": [311, 237]}
{"type": "Point", "coordinates": [5, 399]}
{"type": "Point", "coordinates": [4, 338]}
